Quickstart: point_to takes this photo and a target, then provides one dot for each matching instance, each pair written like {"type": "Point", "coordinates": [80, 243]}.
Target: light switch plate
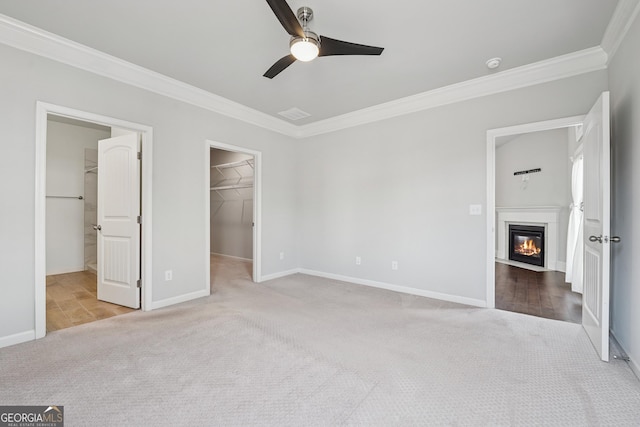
{"type": "Point", "coordinates": [475, 209]}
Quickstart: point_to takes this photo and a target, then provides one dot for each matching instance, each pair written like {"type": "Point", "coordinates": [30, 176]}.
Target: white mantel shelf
{"type": "Point", "coordinates": [545, 216]}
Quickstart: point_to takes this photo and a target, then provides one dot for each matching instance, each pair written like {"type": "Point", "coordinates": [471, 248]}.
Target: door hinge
{"type": "Point", "coordinates": [139, 219]}
{"type": "Point", "coordinates": [139, 283]}
{"type": "Point", "coordinates": [139, 155]}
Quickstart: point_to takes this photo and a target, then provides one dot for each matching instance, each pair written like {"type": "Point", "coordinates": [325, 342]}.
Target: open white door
{"type": "Point", "coordinates": [118, 228]}
{"type": "Point", "coordinates": [597, 241]}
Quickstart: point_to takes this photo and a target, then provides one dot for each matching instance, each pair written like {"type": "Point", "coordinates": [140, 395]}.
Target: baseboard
{"type": "Point", "coordinates": [397, 288]}
{"type": "Point", "coordinates": [232, 257]}
{"type": "Point", "coordinates": [179, 299]}
{"type": "Point", "coordinates": [66, 270]}
{"type": "Point", "coordinates": [18, 338]}
{"type": "Point", "coordinates": [561, 266]}
{"type": "Point", "coordinates": [279, 274]}
{"type": "Point", "coordinates": [632, 363]}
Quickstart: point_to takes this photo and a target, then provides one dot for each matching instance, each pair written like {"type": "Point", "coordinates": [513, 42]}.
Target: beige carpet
{"type": "Point", "coordinates": [305, 351]}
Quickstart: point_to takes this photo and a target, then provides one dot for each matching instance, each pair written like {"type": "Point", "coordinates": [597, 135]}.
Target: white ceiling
{"type": "Point", "coordinates": [224, 47]}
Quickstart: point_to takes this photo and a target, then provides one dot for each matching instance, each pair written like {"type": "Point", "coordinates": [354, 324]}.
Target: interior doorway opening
{"type": "Point", "coordinates": [62, 172]}
{"type": "Point", "coordinates": [72, 167]}
{"type": "Point", "coordinates": [530, 189]}
{"type": "Point", "coordinates": [233, 211]}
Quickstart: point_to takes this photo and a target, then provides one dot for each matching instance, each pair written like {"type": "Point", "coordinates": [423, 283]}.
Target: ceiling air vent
{"type": "Point", "coordinates": [294, 114]}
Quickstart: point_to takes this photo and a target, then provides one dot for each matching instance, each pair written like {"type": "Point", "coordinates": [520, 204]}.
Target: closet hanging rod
{"type": "Point", "coordinates": [231, 187]}
{"type": "Point", "coordinates": [65, 197]}
{"type": "Point", "coordinates": [248, 162]}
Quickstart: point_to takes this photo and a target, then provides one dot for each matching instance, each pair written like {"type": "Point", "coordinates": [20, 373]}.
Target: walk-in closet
{"type": "Point", "coordinates": [232, 198]}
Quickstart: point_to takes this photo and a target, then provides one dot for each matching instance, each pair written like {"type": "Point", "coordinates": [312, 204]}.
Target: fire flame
{"type": "Point", "coordinates": [528, 248]}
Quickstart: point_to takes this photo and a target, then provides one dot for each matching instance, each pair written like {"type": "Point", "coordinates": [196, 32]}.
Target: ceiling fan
{"type": "Point", "coordinates": [305, 45]}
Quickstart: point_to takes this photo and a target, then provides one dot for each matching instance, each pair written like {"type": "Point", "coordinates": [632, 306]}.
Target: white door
{"type": "Point", "coordinates": [118, 228]}
{"type": "Point", "coordinates": [597, 240]}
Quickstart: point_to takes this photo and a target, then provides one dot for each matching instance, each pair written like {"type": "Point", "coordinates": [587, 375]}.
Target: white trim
{"type": "Point", "coordinates": [43, 109]}
{"type": "Point", "coordinates": [560, 67]}
{"type": "Point", "coordinates": [207, 216]}
{"type": "Point", "coordinates": [180, 299]}
{"type": "Point", "coordinates": [18, 338]}
{"type": "Point", "coordinates": [66, 270]}
{"type": "Point", "coordinates": [397, 288]}
{"type": "Point", "coordinates": [561, 266]}
{"type": "Point", "coordinates": [37, 41]}
{"type": "Point", "coordinates": [257, 205]}
{"type": "Point", "coordinates": [623, 17]}
{"type": "Point", "coordinates": [492, 135]}
{"type": "Point", "coordinates": [280, 274]}
{"type": "Point", "coordinates": [239, 258]}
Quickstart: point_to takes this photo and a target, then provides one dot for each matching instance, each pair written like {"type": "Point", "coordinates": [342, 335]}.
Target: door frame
{"type": "Point", "coordinates": [257, 206]}
{"type": "Point", "coordinates": [492, 135]}
{"type": "Point", "coordinates": [43, 109]}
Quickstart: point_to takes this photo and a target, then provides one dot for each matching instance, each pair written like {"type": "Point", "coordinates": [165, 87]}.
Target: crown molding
{"type": "Point", "coordinates": [37, 41]}
{"type": "Point", "coordinates": [623, 17]}
{"type": "Point", "coordinates": [31, 39]}
{"type": "Point", "coordinates": [560, 67]}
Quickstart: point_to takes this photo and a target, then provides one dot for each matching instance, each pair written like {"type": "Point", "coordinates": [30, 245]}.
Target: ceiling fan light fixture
{"type": "Point", "coordinates": [305, 49]}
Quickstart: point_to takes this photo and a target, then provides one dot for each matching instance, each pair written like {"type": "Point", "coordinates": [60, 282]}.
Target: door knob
{"type": "Point", "coordinates": [595, 239]}
{"type": "Point", "coordinates": [615, 239]}
{"type": "Point", "coordinates": [97, 227]}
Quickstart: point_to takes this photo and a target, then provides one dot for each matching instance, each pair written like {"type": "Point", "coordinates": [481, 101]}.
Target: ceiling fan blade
{"type": "Point", "coordinates": [330, 47]}
{"type": "Point", "coordinates": [279, 66]}
{"type": "Point", "coordinates": [286, 17]}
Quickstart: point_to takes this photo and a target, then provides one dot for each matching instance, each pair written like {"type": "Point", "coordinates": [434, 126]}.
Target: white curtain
{"type": "Point", "coordinates": [575, 250]}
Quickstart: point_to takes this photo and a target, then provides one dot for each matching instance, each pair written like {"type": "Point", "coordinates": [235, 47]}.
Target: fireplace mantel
{"type": "Point", "coordinates": [546, 216]}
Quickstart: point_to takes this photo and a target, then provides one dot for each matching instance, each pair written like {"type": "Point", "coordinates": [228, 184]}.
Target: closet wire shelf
{"type": "Point", "coordinates": [231, 183]}
{"type": "Point", "coordinates": [65, 197]}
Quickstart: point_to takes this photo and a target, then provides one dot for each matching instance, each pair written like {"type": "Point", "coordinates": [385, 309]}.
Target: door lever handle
{"type": "Point", "coordinates": [595, 239]}
{"type": "Point", "coordinates": [615, 239]}
{"type": "Point", "coordinates": [97, 227]}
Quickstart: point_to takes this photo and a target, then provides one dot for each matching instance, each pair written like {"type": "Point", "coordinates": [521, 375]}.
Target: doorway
{"type": "Point", "coordinates": [515, 286]}
{"type": "Point", "coordinates": [533, 197]}
{"type": "Point", "coordinates": [72, 170]}
{"type": "Point", "coordinates": [74, 273]}
{"type": "Point", "coordinates": [233, 211]}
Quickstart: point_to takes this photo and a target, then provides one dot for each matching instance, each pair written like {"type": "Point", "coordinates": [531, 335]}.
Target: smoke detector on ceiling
{"type": "Point", "coordinates": [494, 63]}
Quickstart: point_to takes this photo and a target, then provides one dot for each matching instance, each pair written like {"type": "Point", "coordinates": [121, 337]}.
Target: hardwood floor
{"type": "Point", "coordinates": [542, 294]}
{"type": "Point", "coordinates": [72, 300]}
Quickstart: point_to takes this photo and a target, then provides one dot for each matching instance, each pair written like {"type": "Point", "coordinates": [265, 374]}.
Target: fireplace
{"type": "Point", "coordinates": [526, 244]}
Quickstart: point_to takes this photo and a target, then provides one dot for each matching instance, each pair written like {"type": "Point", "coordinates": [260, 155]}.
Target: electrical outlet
{"type": "Point", "coordinates": [394, 265]}
{"type": "Point", "coordinates": [358, 260]}
{"type": "Point", "coordinates": [281, 256]}
{"type": "Point", "coordinates": [168, 275]}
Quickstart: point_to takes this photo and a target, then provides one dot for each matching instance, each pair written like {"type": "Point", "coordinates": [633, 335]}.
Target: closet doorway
{"type": "Point", "coordinates": [93, 215]}
{"type": "Point", "coordinates": [71, 240]}
{"type": "Point", "coordinates": [72, 224]}
{"type": "Point", "coordinates": [233, 219]}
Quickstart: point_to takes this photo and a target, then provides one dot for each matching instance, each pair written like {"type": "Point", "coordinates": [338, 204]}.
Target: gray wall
{"type": "Point", "coordinates": [66, 144]}
{"type": "Point", "coordinates": [546, 150]}
{"type": "Point", "coordinates": [551, 187]}
{"type": "Point", "coordinates": [624, 82]}
{"type": "Point", "coordinates": [400, 189]}
{"type": "Point", "coordinates": [179, 186]}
